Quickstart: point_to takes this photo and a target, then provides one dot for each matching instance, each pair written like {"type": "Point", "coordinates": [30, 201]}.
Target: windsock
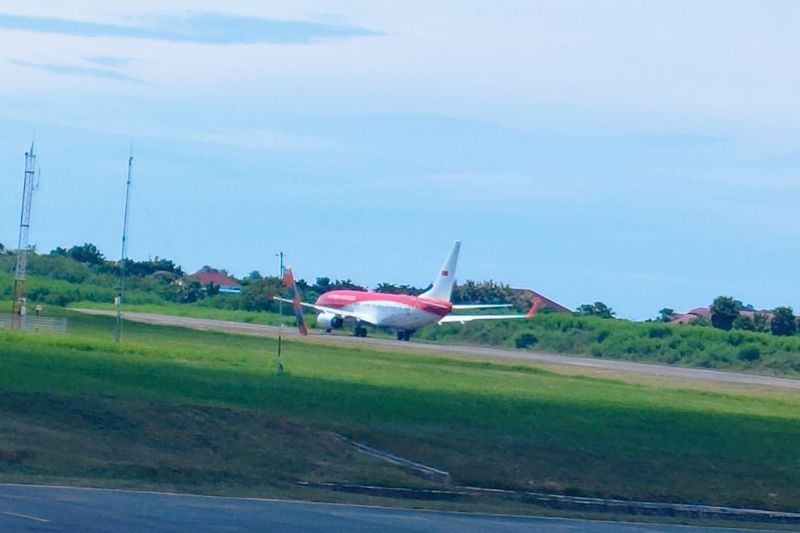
{"type": "Point", "coordinates": [288, 281]}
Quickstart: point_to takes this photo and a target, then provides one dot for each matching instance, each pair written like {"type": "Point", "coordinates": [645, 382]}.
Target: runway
{"type": "Point", "coordinates": [43, 508]}
{"type": "Point", "coordinates": [694, 374]}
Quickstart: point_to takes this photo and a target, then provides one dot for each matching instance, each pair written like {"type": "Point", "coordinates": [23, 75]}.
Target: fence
{"type": "Point", "coordinates": [36, 323]}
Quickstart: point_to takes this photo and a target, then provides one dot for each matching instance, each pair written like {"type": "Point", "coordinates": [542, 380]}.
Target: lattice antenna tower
{"type": "Point", "coordinates": [29, 186]}
{"type": "Point", "coordinates": [124, 253]}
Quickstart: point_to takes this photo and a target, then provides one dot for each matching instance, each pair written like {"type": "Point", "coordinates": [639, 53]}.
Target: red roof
{"type": "Point", "coordinates": [531, 295]}
{"type": "Point", "coordinates": [216, 278]}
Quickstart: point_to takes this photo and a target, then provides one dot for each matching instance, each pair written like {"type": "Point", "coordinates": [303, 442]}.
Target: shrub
{"type": "Point", "coordinates": [525, 340]}
{"type": "Point", "coordinates": [749, 354]}
{"type": "Point", "coordinates": [659, 333]}
{"type": "Point", "coordinates": [735, 339]}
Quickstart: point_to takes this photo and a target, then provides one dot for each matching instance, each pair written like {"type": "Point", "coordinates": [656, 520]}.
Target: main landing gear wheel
{"type": "Point", "coordinates": [360, 331]}
{"type": "Point", "coordinates": [404, 335]}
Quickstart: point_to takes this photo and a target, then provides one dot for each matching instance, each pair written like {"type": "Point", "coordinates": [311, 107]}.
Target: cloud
{"type": "Point", "coordinates": [200, 27]}
{"type": "Point", "coordinates": [73, 70]}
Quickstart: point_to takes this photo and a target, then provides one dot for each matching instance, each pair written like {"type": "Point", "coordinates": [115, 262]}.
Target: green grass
{"type": "Point", "coordinates": [200, 394]}
{"type": "Point", "coordinates": [692, 346]}
{"type": "Point", "coordinates": [701, 347]}
{"type": "Point", "coordinates": [195, 311]}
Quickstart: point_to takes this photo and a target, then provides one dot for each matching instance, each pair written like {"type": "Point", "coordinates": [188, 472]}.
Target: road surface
{"type": "Point", "coordinates": [41, 508]}
{"type": "Point", "coordinates": [471, 351]}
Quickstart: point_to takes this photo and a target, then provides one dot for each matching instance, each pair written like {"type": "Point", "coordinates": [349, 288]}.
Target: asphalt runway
{"type": "Point", "coordinates": [694, 374]}
{"type": "Point", "coordinates": [42, 508]}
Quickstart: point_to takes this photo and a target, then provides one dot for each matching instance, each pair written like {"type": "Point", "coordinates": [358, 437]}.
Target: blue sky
{"type": "Point", "coordinates": [645, 154]}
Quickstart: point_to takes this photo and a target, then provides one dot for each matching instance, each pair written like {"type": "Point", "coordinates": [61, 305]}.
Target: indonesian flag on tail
{"type": "Point", "coordinates": [288, 282]}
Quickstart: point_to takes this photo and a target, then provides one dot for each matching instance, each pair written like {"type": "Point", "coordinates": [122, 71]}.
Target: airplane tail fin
{"type": "Point", "coordinates": [537, 303]}
{"type": "Point", "coordinates": [442, 287]}
{"type": "Point", "coordinates": [288, 281]}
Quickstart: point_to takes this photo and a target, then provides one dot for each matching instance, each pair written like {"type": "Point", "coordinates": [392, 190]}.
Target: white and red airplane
{"type": "Point", "coordinates": [403, 313]}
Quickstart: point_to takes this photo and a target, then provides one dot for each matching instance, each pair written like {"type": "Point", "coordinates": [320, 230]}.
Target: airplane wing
{"type": "Point", "coordinates": [480, 306]}
{"type": "Point", "coordinates": [463, 319]}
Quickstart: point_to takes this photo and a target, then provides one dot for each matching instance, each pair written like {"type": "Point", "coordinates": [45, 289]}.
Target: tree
{"type": "Point", "coordinates": [2, 248]}
{"type": "Point", "coordinates": [761, 322]}
{"type": "Point", "coordinates": [598, 309]}
{"type": "Point", "coordinates": [665, 315]}
{"type": "Point", "coordinates": [255, 275]}
{"type": "Point", "coordinates": [87, 253]}
{"type": "Point", "coordinates": [744, 322]}
{"type": "Point", "coordinates": [723, 312]}
{"type": "Point", "coordinates": [783, 321]}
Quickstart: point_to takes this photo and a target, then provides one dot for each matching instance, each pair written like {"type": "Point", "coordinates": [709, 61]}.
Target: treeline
{"type": "Point", "coordinates": [65, 276]}
{"type": "Point", "coordinates": [727, 313]}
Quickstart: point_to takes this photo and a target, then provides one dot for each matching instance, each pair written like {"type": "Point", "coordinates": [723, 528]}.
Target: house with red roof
{"type": "Point", "coordinates": [531, 296]}
{"type": "Point", "coordinates": [210, 276]}
{"type": "Point", "coordinates": [705, 313]}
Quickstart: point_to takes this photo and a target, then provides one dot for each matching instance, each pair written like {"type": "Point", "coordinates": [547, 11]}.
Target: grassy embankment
{"type": "Point", "coordinates": [174, 409]}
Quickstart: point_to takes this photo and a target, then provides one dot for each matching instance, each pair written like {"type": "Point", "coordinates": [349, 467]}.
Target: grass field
{"type": "Point", "coordinates": [702, 347]}
{"type": "Point", "coordinates": [176, 409]}
{"type": "Point", "coordinates": [196, 311]}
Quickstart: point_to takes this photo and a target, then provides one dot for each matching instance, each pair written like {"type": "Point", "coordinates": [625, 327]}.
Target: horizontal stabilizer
{"type": "Point", "coordinates": [463, 319]}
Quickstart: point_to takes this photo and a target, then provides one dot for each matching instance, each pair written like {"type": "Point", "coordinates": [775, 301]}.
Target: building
{"type": "Point", "coordinates": [530, 296]}
{"type": "Point", "coordinates": [704, 313]}
{"type": "Point", "coordinates": [209, 276]}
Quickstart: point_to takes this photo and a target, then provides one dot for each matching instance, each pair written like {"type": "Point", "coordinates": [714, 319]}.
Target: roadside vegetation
{"type": "Point", "coordinates": [735, 337]}
{"type": "Point", "coordinates": [176, 409]}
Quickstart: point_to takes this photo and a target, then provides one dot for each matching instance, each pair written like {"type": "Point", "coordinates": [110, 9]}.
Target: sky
{"type": "Point", "coordinates": [644, 154]}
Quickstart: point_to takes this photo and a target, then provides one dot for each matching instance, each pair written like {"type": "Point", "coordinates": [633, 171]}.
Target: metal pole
{"type": "Point", "coordinates": [278, 362]}
{"type": "Point", "coordinates": [124, 253]}
{"type": "Point", "coordinates": [18, 308]}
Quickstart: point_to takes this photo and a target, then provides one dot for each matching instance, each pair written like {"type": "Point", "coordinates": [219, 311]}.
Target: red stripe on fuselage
{"type": "Point", "coordinates": [341, 299]}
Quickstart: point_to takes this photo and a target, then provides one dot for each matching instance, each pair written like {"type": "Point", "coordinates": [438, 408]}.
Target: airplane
{"type": "Point", "coordinates": [403, 313]}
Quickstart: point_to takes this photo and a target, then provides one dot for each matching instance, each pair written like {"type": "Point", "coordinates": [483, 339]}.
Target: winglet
{"type": "Point", "coordinates": [288, 281]}
{"type": "Point", "coordinates": [537, 302]}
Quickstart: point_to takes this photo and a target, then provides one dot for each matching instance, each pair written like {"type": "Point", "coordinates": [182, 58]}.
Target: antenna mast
{"type": "Point", "coordinates": [124, 254]}
{"type": "Point", "coordinates": [18, 305]}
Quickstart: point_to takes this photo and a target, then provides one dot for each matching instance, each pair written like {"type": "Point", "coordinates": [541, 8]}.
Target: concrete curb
{"type": "Point", "coordinates": [575, 503]}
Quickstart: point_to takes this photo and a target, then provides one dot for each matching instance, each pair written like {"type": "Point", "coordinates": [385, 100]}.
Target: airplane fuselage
{"type": "Point", "coordinates": [398, 311]}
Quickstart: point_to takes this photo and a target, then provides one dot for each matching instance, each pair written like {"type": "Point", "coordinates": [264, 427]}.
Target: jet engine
{"type": "Point", "coordinates": [329, 321]}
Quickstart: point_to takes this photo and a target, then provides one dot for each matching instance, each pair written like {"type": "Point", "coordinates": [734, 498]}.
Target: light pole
{"type": "Point", "coordinates": [278, 363]}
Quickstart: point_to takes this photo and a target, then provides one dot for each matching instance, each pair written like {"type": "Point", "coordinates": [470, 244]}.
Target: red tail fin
{"type": "Point", "coordinates": [288, 281]}
{"type": "Point", "coordinates": [537, 302]}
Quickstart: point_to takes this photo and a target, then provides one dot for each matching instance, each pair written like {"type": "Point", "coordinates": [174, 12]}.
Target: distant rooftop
{"type": "Point", "coordinates": [215, 277]}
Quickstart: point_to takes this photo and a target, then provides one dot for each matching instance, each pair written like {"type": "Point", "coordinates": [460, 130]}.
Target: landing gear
{"type": "Point", "coordinates": [360, 331]}
{"type": "Point", "coordinates": [404, 334]}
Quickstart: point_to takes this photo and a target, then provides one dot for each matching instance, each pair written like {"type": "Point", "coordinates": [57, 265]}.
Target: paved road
{"type": "Point", "coordinates": [471, 351]}
{"type": "Point", "coordinates": [36, 508]}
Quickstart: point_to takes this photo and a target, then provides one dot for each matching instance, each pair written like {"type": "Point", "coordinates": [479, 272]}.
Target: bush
{"type": "Point", "coordinates": [659, 333]}
{"type": "Point", "coordinates": [525, 340]}
{"type": "Point", "coordinates": [749, 354]}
